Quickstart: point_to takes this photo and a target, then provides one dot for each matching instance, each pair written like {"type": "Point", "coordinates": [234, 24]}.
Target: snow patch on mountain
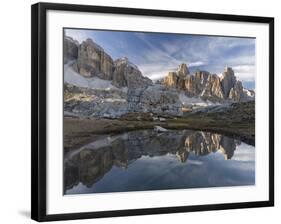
{"type": "Point", "coordinates": [194, 101]}
{"type": "Point", "coordinates": [74, 78]}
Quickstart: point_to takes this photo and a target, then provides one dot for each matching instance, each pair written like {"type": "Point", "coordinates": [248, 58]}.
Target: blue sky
{"type": "Point", "coordinates": [157, 53]}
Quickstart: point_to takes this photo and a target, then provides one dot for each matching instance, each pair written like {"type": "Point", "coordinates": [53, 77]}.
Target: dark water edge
{"type": "Point", "coordinates": [147, 160]}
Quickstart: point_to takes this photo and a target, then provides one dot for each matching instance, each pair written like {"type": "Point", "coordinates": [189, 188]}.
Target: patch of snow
{"type": "Point", "coordinates": [125, 60]}
{"type": "Point", "coordinates": [159, 129]}
{"type": "Point", "coordinates": [74, 78]}
{"type": "Point", "coordinates": [132, 65]}
{"type": "Point", "coordinates": [70, 114]}
{"type": "Point", "coordinates": [194, 101]}
{"type": "Point", "coordinates": [213, 108]}
{"type": "Point", "coordinates": [111, 100]}
{"type": "Point", "coordinates": [195, 162]}
{"type": "Point", "coordinates": [248, 93]}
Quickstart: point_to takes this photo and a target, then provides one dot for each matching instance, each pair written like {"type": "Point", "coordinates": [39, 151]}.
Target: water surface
{"type": "Point", "coordinates": [148, 160]}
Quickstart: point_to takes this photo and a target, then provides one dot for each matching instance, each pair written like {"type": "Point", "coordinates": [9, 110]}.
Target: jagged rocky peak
{"type": "Point", "coordinates": [194, 84]}
{"type": "Point", "coordinates": [70, 49]}
{"type": "Point", "coordinates": [126, 74]}
{"type": "Point", "coordinates": [124, 61]}
{"type": "Point", "coordinates": [208, 86]}
{"type": "Point", "coordinates": [183, 70]}
{"type": "Point", "coordinates": [90, 60]}
{"type": "Point", "coordinates": [228, 80]}
{"type": "Point", "coordinates": [176, 79]}
{"type": "Point", "coordinates": [182, 74]}
{"type": "Point", "coordinates": [171, 79]}
{"type": "Point", "coordinates": [236, 93]}
{"type": "Point", "coordinates": [94, 61]}
{"type": "Point", "coordinates": [213, 87]}
{"type": "Point", "coordinates": [201, 76]}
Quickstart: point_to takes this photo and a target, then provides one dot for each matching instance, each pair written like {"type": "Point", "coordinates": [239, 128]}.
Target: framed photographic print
{"type": "Point", "coordinates": [139, 111]}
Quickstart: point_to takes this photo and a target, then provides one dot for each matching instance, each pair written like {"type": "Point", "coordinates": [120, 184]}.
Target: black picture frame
{"type": "Point", "coordinates": [38, 109]}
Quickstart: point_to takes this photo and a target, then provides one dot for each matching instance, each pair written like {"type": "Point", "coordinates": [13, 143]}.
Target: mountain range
{"type": "Point", "coordinates": [97, 85]}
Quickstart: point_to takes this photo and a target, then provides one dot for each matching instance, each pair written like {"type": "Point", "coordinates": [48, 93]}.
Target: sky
{"type": "Point", "coordinates": [156, 54]}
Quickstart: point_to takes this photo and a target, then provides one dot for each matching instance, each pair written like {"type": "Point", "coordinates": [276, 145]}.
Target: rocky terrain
{"type": "Point", "coordinates": [236, 120]}
{"type": "Point", "coordinates": [95, 85]}
{"type": "Point", "coordinates": [102, 95]}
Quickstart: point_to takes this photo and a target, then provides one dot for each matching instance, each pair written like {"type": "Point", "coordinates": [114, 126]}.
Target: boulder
{"type": "Point", "coordinates": [155, 99]}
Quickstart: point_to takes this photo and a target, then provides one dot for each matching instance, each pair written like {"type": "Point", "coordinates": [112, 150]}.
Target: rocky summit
{"type": "Point", "coordinates": [98, 86]}
{"type": "Point", "coordinates": [208, 86]}
{"type": "Point", "coordinates": [90, 60]}
{"type": "Point", "coordinates": [127, 74]}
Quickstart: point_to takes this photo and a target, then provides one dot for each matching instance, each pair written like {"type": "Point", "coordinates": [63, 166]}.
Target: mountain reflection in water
{"type": "Point", "coordinates": [147, 160]}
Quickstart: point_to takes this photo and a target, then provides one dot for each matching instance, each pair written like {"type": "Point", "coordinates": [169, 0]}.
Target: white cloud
{"type": "Point", "coordinates": [157, 75]}
{"type": "Point", "coordinates": [245, 72]}
{"type": "Point", "coordinates": [78, 34]}
{"type": "Point", "coordinates": [156, 71]}
{"type": "Point", "coordinates": [159, 70]}
{"type": "Point", "coordinates": [156, 54]}
{"type": "Point", "coordinates": [214, 53]}
{"type": "Point", "coordinates": [196, 63]}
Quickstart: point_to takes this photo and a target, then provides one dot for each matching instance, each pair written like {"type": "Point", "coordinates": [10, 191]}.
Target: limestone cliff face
{"type": "Point", "coordinates": [90, 60]}
{"type": "Point", "coordinates": [213, 87]}
{"type": "Point", "coordinates": [183, 70]}
{"type": "Point", "coordinates": [70, 49]}
{"type": "Point", "coordinates": [236, 92]}
{"type": "Point", "coordinates": [228, 80]}
{"type": "Point", "coordinates": [140, 95]}
{"type": "Point", "coordinates": [128, 74]}
{"type": "Point", "coordinates": [94, 61]}
{"type": "Point", "coordinates": [196, 84]}
{"type": "Point", "coordinates": [190, 86]}
{"type": "Point", "coordinates": [171, 79]}
{"type": "Point", "coordinates": [177, 79]}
